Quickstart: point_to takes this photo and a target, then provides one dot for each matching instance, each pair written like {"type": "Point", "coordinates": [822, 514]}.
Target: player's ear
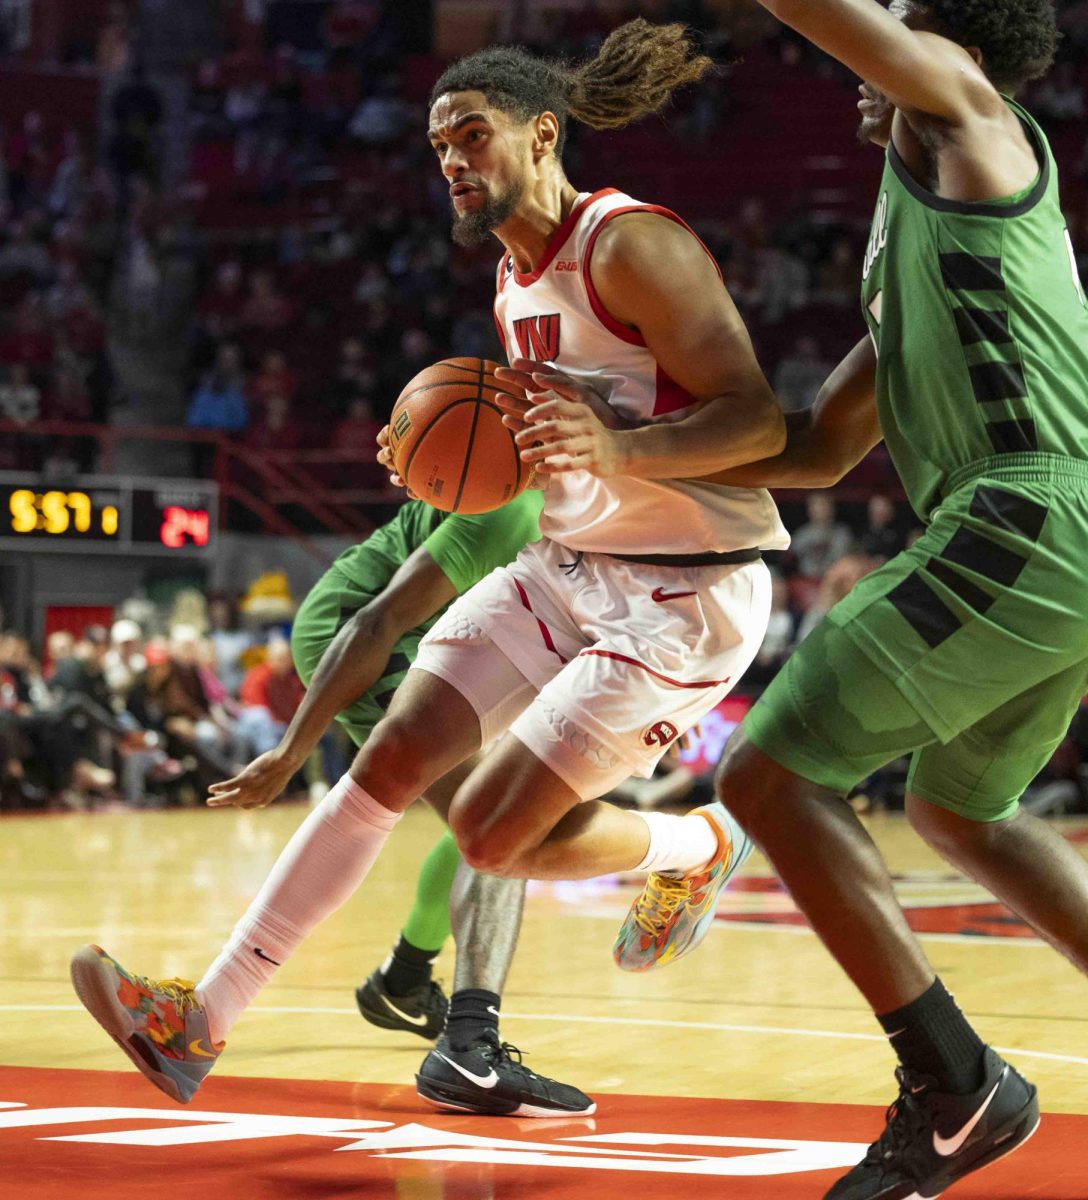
{"type": "Point", "coordinates": [545, 135]}
{"type": "Point", "coordinates": [975, 53]}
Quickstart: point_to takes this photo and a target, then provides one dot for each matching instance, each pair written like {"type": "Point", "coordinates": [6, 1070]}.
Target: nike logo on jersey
{"type": "Point", "coordinates": [261, 954]}
{"type": "Point", "coordinates": [946, 1147]}
{"type": "Point", "coordinates": [403, 1015]}
{"type": "Point", "coordinates": [660, 595]}
{"type": "Point", "coordinates": [489, 1080]}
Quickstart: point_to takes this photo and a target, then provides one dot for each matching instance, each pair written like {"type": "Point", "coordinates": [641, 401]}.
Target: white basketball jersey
{"type": "Point", "coordinates": [555, 316]}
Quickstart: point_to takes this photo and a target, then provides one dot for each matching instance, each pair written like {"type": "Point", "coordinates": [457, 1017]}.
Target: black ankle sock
{"type": "Point", "coordinates": [933, 1037]}
{"type": "Point", "coordinates": [473, 1017]}
{"type": "Point", "coordinates": [407, 967]}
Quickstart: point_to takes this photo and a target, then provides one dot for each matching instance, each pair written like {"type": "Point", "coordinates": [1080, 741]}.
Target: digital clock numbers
{"type": "Point", "coordinates": [143, 516]}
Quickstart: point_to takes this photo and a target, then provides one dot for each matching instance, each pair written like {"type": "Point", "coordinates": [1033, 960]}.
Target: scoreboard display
{"type": "Point", "coordinates": [97, 513]}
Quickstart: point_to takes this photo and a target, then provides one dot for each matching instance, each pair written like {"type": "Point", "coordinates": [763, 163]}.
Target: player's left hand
{"type": "Point", "coordinates": [255, 787]}
{"type": "Point", "coordinates": [560, 424]}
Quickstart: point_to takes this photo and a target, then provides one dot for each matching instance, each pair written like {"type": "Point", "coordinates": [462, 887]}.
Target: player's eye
{"type": "Point", "coordinates": [439, 148]}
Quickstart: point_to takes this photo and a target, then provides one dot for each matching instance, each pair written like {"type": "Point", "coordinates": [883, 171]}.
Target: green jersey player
{"type": "Point", "coordinates": [970, 650]}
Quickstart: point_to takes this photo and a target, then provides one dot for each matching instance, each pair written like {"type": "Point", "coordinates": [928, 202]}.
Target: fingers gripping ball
{"type": "Point", "coordinates": [448, 440]}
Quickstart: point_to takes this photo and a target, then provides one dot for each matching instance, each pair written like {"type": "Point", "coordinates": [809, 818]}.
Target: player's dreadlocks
{"type": "Point", "coordinates": [634, 73]}
{"type": "Point", "coordinates": [1017, 38]}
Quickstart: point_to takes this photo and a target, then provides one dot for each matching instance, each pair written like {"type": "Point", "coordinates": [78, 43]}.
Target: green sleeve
{"type": "Point", "coordinates": [469, 547]}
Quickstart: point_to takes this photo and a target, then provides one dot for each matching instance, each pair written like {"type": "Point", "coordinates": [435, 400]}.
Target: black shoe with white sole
{"type": "Point", "coordinates": [490, 1079]}
{"type": "Point", "coordinates": [421, 1011]}
{"type": "Point", "coordinates": [932, 1139]}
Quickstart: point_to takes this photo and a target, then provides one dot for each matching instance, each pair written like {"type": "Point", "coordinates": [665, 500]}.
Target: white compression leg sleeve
{"type": "Point", "coordinates": [329, 855]}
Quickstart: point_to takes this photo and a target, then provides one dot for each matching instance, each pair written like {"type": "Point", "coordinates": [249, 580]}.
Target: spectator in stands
{"type": "Point", "coordinates": [275, 427]}
{"type": "Point", "coordinates": [273, 377]}
{"type": "Point", "coordinates": [1060, 96]}
{"type": "Point", "coordinates": [230, 640]}
{"type": "Point", "coordinates": [271, 693]}
{"type": "Point", "coordinates": [29, 340]}
{"type": "Point", "coordinates": [20, 396]}
{"type": "Point", "coordinates": [778, 640]}
{"type": "Point", "coordinates": [839, 278]}
{"type": "Point", "coordinates": [800, 375]}
{"type": "Point", "coordinates": [266, 309]}
{"type": "Point", "coordinates": [821, 541]}
{"type": "Point", "coordinates": [221, 309]}
{"type": "Point", "coordinates": [25, 255]}
{"type": "Point", "coordinates": [837, 583]}
{"type": "Point", "coordinates": [884, 536]}
{"type": "Point", "coordinates": [357, 432]}
{"type": "Point", "coordinates": [219, 402]}
{"type": "Point", "coordinates": [382, 117]}
{"type": "Point", "coordinates": [124, 663]}
{"type": "Point", "coordinates": [188, 716]}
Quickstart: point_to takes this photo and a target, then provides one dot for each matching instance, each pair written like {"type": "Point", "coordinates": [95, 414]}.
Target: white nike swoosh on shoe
{"type": "Point", "coordinates": [946, 1147]}
{"type": "Point", "coordinates": [489, 1080]}
{"type": "Point", "coordinates": [403, 1015]}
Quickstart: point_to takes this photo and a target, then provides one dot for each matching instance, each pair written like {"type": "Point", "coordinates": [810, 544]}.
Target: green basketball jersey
{"type": "Point", "coordinates": [466, 547]}
{"type": "Point", "coordinates": [980, 324]}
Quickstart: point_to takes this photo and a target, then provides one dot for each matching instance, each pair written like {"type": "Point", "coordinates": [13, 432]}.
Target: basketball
{"type": "Point", "coordinates": [448, 440]}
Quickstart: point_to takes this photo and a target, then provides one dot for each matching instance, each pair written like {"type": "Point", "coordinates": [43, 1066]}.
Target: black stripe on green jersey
{"type": "Point", "coordinates": [1009, 511]}
{"type": "Point", "coordinates": [919, 603]}
{"type": "Point", "coordinates": [982, 325]}
{"type": "Point", "coordinates": [1014, 436]}
{"type": "Point", "coordinates": [963, 272]}
{"type": "Point", "coordinates": [991, 381]}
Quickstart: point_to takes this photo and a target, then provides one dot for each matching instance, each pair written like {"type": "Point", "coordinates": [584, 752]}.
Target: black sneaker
{"type": "Point", "coordinates": [934, 1138]}
{"type": "Point", "coordinates": [422, 1010]}
{"type": "Point", "coordinates": [489, 1079]}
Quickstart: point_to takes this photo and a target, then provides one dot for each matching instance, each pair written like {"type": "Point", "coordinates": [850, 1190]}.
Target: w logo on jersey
{"type": "Point", "coordinates": [538, 337]}
{"type": "Point", "coordinates": [660, 734]}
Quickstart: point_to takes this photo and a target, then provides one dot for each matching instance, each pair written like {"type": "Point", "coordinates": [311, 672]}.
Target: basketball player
{"type": "Point", "coordinates": [643, 603]}
{"type": "Point", "coordinates": [970, 650]}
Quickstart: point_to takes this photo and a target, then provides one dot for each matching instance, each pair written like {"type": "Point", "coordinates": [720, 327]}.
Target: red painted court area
{"type": "Point", "coordinates": [94, 1135]}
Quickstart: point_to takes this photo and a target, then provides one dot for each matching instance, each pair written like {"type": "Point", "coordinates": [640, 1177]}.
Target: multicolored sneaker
{"type": "Point", "coordinates": [158, 1023]}
{"type": "Point", "coordinates": [422, 1011]}
{"type": "Point", "coordinates": [490, 1079]}
{"type": "Point", "coordinates": [672, 914]}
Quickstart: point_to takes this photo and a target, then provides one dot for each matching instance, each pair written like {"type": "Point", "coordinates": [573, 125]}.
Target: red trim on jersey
{"type": "Point", "coordinates": [670, 396]}
{"type": "Point", "coordinates": [624, 332]}
{"type": "Point", "coordinates": [555, 242]}
{"type": "Point", "coordinates": [545, 632]}
{"type": "Point", "coordinates": [708, 683]}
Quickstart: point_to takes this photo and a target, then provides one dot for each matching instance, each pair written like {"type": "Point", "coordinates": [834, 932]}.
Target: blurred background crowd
{"type": "Point", "coordinates": [225, 218]}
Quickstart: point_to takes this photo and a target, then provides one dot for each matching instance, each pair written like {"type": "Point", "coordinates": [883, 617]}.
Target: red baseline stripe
{"type": "Point", "coordinates": [545, 632]}
{"type": "Point", "coordinates": [708, 683]}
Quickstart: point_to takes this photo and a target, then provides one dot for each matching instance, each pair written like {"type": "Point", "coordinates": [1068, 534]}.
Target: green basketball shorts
{"type": "Point", "coordinates": [330, 604]}
{"type": "Point", "coordinates": [968, 651]}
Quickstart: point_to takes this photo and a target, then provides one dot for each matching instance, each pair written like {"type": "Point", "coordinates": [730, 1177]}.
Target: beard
{"type": "Point", "coordinates": [474, 228]}
{"type": "Point", "coordinates": [876, 127]}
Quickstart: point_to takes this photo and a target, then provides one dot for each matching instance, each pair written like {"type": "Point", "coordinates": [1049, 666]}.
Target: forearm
{"type": "Point", "coordinates": [724, 433]}
{"type": "Point", "coordinates": [807, 461]}
{"type": "Point", "coordinates": [353, 663]}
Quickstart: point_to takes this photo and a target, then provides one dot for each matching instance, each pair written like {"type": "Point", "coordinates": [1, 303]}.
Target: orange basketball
{"type": "Point", "coordinates": [448, 440]}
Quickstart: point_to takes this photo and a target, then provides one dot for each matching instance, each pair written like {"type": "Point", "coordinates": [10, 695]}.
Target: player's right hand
{"type": "Point", "coordinates": [255, 787]}
{"type": "Point", "coordinates": [385, 458]}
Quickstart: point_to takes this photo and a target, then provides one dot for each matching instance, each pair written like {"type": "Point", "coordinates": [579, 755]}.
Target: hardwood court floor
{"type": "Point", "coordinates": [760, 1014]}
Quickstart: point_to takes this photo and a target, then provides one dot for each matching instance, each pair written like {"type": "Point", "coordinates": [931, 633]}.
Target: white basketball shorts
{"type": "Point", "coordinates": [595, 664]}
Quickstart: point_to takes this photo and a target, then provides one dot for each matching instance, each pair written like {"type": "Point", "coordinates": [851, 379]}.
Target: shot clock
{"type": "Point", "coordinates": [98, 513]}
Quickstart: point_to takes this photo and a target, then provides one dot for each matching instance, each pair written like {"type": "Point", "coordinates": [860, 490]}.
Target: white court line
{"type": "Point", "coordinates": [577, 1019]}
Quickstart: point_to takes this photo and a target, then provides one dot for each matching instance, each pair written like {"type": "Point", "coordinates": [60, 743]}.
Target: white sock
{"type": "Point", "coordinates": [678, 844]}
{"type": "Point", "coordinates": [330, 854]}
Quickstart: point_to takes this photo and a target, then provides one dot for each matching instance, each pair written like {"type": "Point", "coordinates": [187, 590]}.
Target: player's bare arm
{"type": "Point", "coordinates": [653, 276]}
{"type": "Point", "coordinates": [825, 441]}
{"type": "Point", "coordinates": [951, 126]}
{"type": "Point", "coordinates": [355, 660]}
{"type": "Point", "coordinates": [915, 69]}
